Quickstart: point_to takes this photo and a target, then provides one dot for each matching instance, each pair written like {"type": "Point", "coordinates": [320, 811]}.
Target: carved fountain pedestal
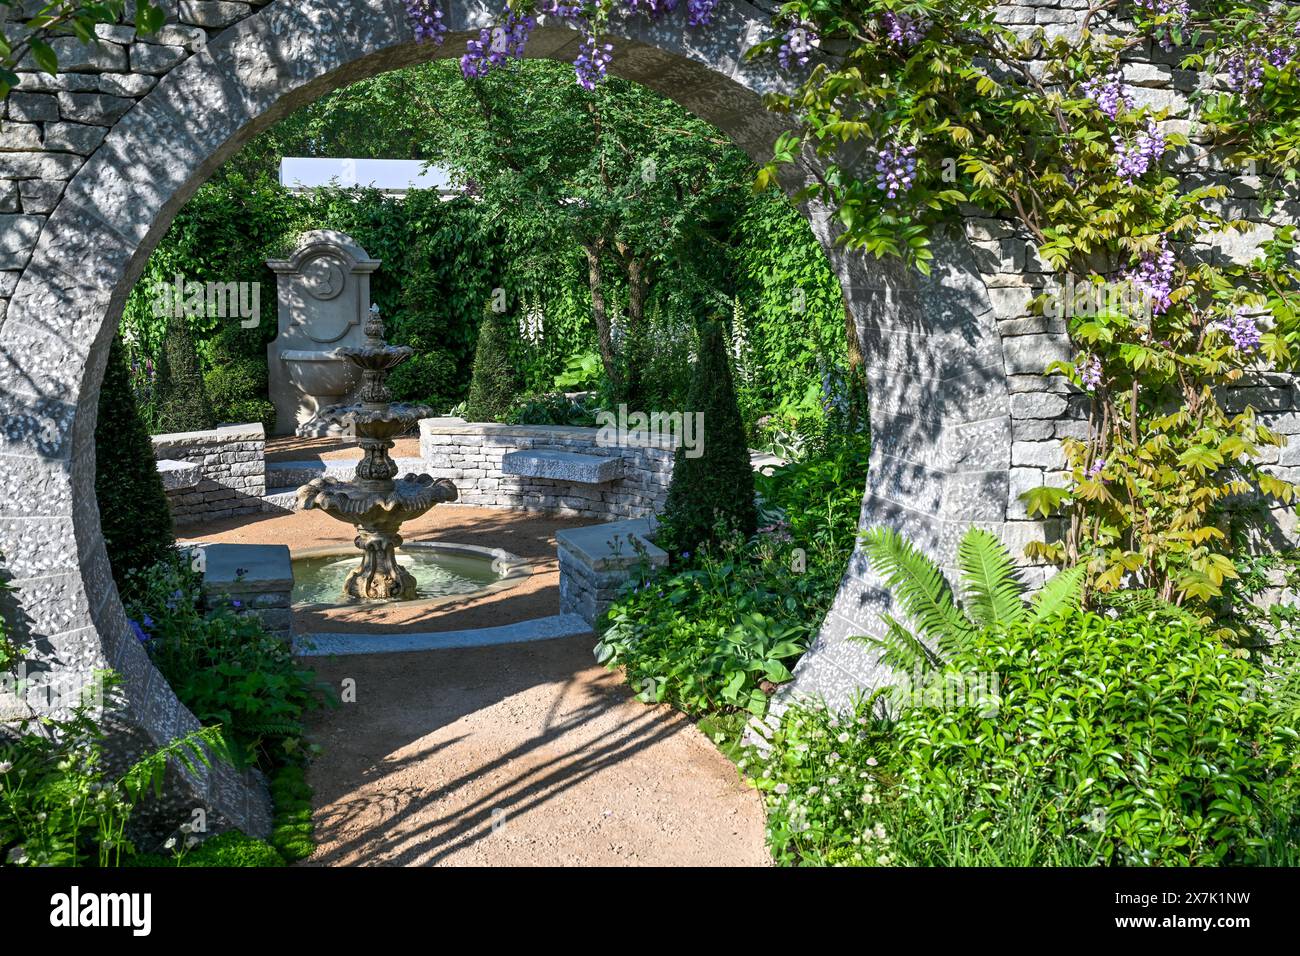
{"type": "Point", "coordinates": [375, 499]}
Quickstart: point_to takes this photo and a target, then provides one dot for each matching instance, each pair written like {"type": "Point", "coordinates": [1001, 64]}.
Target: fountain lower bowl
{"type": "Point", "coordinates": [443, 572]}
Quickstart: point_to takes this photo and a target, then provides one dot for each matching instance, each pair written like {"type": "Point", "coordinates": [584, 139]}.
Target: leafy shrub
{"type": "Point", "coordinates": [60, 805]}
{"type": "Point", "coordinates": [183, 404]}
{"type": "Point", "coordinates": [224, 666]}
{"type": "Point", "coordinates": [711, 495]}
{"type": "Point", "coordinates": [237, 389]}
{"type": "Point", "coordinates": [555, 408]}
{"type": "Point", "coordinates": [428, 377]}
{"type": "Point", "coordinates": [1132, 740]}
{"type": "Point", "coordinates": [715, 633]}
{"type": "Point", "coordinates": [229, 849]}
{"type": "Point", "coordinates": [133, 512]}
{"type": "Point", "coordinates": [496, 382]}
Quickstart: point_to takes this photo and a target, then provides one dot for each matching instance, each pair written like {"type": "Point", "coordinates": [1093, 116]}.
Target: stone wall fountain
{"type": "Point", "coordinates": [374, 499]}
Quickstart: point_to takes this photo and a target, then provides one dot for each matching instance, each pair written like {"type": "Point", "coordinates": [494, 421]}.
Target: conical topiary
{"type": "Point", "coordinates": [183, 404]}
{"type": "Point", "coordinates": [133, 512]}
{"type": "Point", "coordinates": [712, 494]}
{"type": "Point", "coordinates": [496, 383]}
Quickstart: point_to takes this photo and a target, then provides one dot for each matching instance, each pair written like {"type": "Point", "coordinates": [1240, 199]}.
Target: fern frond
{"type": "Point", "coordinates": [1062, 593]}
{"type": "Point", "coordinates": [919, 586]}
{"type": "Point", "coordinates": [900, 649]}
{"type": "Point", "coordinates": [191, 751]}
{"type": "Point", "coordinates": [991, 587]}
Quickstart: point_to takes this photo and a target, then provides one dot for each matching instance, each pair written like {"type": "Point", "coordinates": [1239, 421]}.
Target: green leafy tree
{"type": "Point", "coordinates": [496, 383]}
{"type": "Point", "coordinates": [711, 496]}
{"type": "Point", "coordinates": [133, 511]}
{"type": "Point", "coordinates": [183, 404]}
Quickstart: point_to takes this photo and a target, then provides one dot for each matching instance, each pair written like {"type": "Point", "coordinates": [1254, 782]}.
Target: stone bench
{"type": "Point", "coordinates": [179, 475]}
{"type": "Point", "coordinates": [559, 465]}
{"type": "Point", "coordinates": [251, 578]}
{"type": "Point", "coordinates": [595, 562]}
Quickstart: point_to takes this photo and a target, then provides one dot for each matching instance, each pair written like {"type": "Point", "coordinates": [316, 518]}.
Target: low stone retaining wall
{"type": "Point", "coordinates": [595, 562]}
{"type": "Point", "coordinates": [231, 476]}
{"type": "Point", "coordinates": [471, 454]}
{"type": "Point", "coordinates": [252, 579]}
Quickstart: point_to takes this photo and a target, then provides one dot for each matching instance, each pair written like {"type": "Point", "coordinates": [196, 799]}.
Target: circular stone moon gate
{"type": "Point", "coordinates": [960, 413]}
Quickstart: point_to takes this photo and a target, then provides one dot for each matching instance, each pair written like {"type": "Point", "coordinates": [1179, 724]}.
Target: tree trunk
{"type": "Point", "coordinates": [600, 313]}
{"type": "Point", "coordinates": [636, 344]}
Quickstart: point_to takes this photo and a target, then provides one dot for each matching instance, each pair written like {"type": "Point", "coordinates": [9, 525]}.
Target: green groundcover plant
{"type": "Point", "coordinates": [1131, 740]}
{"type": "Point", "coordinates": [721, 629]}
{"type": "Point", "coordinates": [223, 665]}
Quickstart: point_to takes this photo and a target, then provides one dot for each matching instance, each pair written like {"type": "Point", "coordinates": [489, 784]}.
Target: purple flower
{"type": "Point", "coordinates": [1176, 14]}
{"type": "Point", "coordinates": [425, 19]}
{"type": "Point", "coordinates": [148, 623]}
{"type": "Point", "coordinates": [591, 65]}
{"type": "Point", "coordinates": [905, 29]}
{"type": "Point", "coordinates": [1154, 276]}
{"type": "Point", "coordinates": [895, 168]}
{"type": "Point", "coordinates": [1241, 330]}
{"type": "Point", "coordinates": [1089, 370]}
{"type": "Point", "coordinates": [1108, 93]}
{"type": "Point", "coordinates": [138, 631]}
{"type": "Point", "coordinates": [236, 604]}
{"type": "Point", "coordinates": [800, 41]}
{"type": "Point", "coordinates": [496, 45]}
{"type": "Point", "coordinates": [1094, 472]}
{"type": "Point", "coordinates": [1132, 160]}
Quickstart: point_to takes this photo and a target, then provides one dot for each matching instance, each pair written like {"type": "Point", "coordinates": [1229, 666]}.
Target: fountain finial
{"type": "Point", "coordinates": [374, 327]}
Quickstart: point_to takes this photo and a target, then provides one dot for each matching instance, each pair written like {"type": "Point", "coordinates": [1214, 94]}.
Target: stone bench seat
{"type": "Point", "coordinates": [562, 466]}
{"type": "Point", "coordinates": [177, 475]}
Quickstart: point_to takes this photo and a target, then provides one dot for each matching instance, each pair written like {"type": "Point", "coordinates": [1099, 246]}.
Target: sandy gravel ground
{"type": "Point", "coordinates": [523, 755]}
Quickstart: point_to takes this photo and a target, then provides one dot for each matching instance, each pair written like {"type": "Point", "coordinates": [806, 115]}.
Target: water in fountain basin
{"type": "Point", "coordinates": [319, 580]}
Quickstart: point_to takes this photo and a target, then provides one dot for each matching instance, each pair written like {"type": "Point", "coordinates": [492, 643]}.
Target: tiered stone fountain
{"type": "Point", "coordinates": [374, 499]}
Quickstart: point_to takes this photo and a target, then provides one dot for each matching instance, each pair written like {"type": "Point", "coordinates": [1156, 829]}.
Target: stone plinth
{"type": "Point", "coordinates": [596, 562]}
{"type": "Point", "coordinates": [252, 579]}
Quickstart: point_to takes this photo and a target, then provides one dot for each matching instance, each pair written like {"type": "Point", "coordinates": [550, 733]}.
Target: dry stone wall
{"type": "Point", "coordinates": [231, 479]}
{"type": "Point", "coordinates": [95, 163]}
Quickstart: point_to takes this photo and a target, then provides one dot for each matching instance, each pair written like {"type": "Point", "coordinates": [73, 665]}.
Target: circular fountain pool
{"type": "Point", "coordinates": [442, 572]}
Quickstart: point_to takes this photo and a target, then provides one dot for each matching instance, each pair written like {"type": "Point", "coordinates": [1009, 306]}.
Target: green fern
{"type": "Point", "coordinates": [993, 591]}
{"type": "Point", "coordinates": [993, 595]}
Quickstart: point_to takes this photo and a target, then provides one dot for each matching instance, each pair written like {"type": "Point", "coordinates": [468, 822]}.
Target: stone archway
{"type": "Point", "coordinates": [940, 400]}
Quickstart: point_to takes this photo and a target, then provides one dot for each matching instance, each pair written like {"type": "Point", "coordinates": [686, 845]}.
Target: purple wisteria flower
{"type": "Point", "coordinates": [1095, 470]}
{"type": "Point", "coordinates": [1178, 13]}
{"type": "Point", "coordinates": [425, 19]}
{"type": "Point", "coordinates": [895, 169]}
{"type": "Point", "coordinates": [800, 41]}
{"type": "Point", "coordinates": [496, 45]}
{"type": "Point", "coordinates": [592, 63]}
{"type": "Point", "coordinates": [1241, 330]}
{"type": "Point", "coordinates": [1132, 160]}
{"type": "Point", "coordinates": [1108, 93]}
{"type": "Point", "coordinates": [1154, 277]}
{"type": "Point", "coordinates": [1089, 370]}
{"type": "Point", "coordinates": [905, 29]}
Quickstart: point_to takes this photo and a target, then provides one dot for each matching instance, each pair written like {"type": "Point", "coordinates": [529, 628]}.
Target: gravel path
{"type": "Point", "coordinates": [522, 755]}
